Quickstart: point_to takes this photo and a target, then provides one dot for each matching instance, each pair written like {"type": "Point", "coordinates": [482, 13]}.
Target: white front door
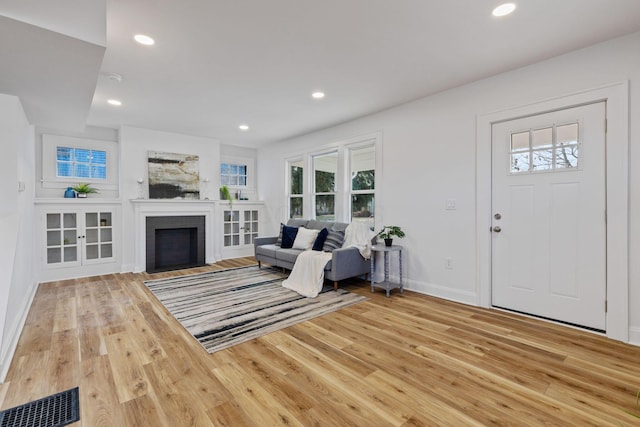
{"type": "Point", "coordinates": [548, 205]}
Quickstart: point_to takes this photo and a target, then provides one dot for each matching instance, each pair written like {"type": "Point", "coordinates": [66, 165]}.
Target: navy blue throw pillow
{"type": "Point", "coordinates": [288, 236]}
{"type": "Point", "coordinates": [320, 238]}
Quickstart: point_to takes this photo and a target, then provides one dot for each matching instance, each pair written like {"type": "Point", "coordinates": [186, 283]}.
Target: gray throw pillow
{"type": "Point", "coordinates": [279, 242]}
{"type": "Point", "coordinates": [334, 240]}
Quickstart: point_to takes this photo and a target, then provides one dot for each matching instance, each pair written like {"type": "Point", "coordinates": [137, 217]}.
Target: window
{"type": "Point", "coordinates": [81, 163]}
{"type": "Point", "coordinates": [233, 174]}
{"type": "Point", "coordinates": [551, 148]}
{"type": "Point", "coordinates": [336, 182]}
{"type": "Point", "coordinates": [362, 161]}
{"type": "Point", "coordinates": [67, 161]}
{"type": "Point", "coordinates": [325, 168]}
{"type": "Point", "coordinates": [296, 189]}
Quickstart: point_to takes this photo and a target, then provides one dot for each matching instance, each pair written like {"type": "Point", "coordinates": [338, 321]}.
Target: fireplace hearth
{"type": "Point", "coordinates": [174, 242]}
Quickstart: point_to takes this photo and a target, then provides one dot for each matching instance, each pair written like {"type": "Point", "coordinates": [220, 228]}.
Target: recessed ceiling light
{"type": "Point", "coordinates": [243, 127]}
{"type": "Point", "coordinates": [504, 9]}
{"type": "Point", "coordinates": [115, 102]}
{"type": "Point", "coordinates": [317, 95]}
{"type": "Point", "coordinates": [145, 40]}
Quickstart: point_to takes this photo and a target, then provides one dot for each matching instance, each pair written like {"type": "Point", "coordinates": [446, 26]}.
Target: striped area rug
{"type": "Point", "coordinates": [227, 307]}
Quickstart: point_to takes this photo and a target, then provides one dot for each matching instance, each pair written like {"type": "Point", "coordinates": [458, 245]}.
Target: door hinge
{"type": "Point", "coordinates": [606, 305]}
{"type": "Point", "coordinates": [606, 125]}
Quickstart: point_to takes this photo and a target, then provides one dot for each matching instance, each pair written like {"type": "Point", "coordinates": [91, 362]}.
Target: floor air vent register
{"type": "Point", "coordinates": [57, 410]}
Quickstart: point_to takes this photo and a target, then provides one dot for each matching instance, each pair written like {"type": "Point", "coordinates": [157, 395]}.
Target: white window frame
{"type": "Point", "coordinates": [50, 178]}
{"type": "Point", "coordinates": [350, 148]}
{"type": "Point", "coordinates": [290, 163]}
{"type": "Point", "coordinates": [249, 162]}
{"type": "Point", "coordinates": [337, 205]}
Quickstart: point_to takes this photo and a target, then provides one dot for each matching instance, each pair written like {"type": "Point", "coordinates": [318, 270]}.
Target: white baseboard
{"type": "Point", "coordinates": [13, 336]}
{"type": "Point", "coordinates": [432, 289]}
{"type": "Point", "coordinates": [634, 335]}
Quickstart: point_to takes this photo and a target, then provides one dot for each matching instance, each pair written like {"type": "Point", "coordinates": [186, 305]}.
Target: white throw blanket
{"type": "Point", "coordinates": [359, 235]}
{"type": "Point", "coordinates": [307, 276]}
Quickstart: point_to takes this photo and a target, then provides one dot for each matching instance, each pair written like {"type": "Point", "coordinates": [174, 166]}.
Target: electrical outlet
{"type": "Point", "coordinates": [448, 263]}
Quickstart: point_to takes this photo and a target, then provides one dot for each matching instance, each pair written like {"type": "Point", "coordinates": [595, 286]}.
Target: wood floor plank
{"type": "Point", "coordinates": [407, 360]}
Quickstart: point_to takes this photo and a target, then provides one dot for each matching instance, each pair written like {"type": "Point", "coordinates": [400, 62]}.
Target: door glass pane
{"type": "Point", "coordinates": [542, 138]}
{"type": "Point", "coordinates": [106, 250]}
{"type": "Point", "coordinates": [92, 252]}
{"type": "Point", "coordinates": [54, 255]}
{"type": "Point", "coordinates": [520, 141]}
{"type": "Point", "coordinates": [567, 134]}
{"type": "Point", "coordinates": [53, 238]}
{"type": "Point", "coordinates": [70, 237]}
{"type": "Point", "coordinates": [105, 219]}
{"type": "Point", "coordinates": [69, 220]}
{"type": "Point", "coordinates": [92, 235]}
{"type": "Point", "coordinates": [70, 254]}
{"type": "Point", "coordinates": [542, 160]}
{"type": "Point", "coordinates": [520, 162]}
{"type": "Point", "coordinates": [92, 219]}
{"type": "Point", "coordinates": [567, 157]}
{"type": "Point", "coordinates": [53, 221]}
{"type": "Point", "coordinates": [105, 235]}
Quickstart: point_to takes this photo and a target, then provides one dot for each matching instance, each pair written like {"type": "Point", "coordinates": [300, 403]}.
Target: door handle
{"type": "Point", "coordinates": [497, 229]}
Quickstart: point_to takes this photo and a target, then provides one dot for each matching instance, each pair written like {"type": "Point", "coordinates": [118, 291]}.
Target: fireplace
{"type": "Point", "coordinates": [174, 242]}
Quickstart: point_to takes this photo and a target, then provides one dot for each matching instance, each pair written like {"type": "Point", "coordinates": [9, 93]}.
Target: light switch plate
{"type": "Point", "coordinates": [450, 205]}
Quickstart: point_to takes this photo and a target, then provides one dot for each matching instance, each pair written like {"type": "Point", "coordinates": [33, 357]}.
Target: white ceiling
{"type": "Point", "coordinates": [219, 63]}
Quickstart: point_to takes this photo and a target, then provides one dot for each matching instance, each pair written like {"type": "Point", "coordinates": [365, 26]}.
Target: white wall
{"type": "Point", "coordinates": [429, 156]}
{"type": "Point", "coordinates": [17, 280]}
{"type": "Point", "coordinates": [134, 146]}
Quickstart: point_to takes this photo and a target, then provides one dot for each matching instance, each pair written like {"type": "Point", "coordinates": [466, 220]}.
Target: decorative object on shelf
{"type": "Point", "coordinates": [387, 233]}
{"type": "Point", "coordinates": [205, 188]}
{"type": "Point", "coordinates": [82, 190]}
{"type": "Point", "coordinates": [226, 195]}
{"type": "Point", "coordinates": [69, 193]}
{"type": "Point", "coordinates": [173, 176]}
{"type": "Point", "coordinates": [140, 181]}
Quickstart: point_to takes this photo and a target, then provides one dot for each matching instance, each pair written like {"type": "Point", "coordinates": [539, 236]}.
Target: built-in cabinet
{"type": "Point", "coordinates": [240, 226]}
{"type": "Point", "coordinates": [78, 239]}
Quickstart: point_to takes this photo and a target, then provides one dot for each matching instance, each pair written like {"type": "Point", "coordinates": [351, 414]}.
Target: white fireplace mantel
{"type": "Point", "coordinates": [144, 208]}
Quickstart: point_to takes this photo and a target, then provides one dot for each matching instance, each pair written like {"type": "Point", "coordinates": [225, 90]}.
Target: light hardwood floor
{"type": "Point", "coordinates": [408, 360]}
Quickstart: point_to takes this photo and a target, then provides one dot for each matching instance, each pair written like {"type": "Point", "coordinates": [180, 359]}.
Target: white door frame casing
{"type": "Point", "coordinates": [616, 97]}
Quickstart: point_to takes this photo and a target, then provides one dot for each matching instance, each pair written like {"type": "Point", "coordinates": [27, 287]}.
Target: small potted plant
{"type": "Point", "coordinates": [226, 195]}
{"type": "Point", "coordinates": [387, 233]}
{"type": "Point", "coordinates": [82, 190]}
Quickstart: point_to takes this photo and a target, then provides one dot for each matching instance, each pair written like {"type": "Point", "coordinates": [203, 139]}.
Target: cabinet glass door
{"type": "Point", "coordinates": [250, 226]}
{"type": "Point", "coordinates": [231, 228]}
{"type": "Point", "coordinates": [98, 235]}
{"type": "Point", "coordinates": [62, 238]}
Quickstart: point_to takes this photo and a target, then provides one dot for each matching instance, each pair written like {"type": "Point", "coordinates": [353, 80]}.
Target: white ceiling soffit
{"type": "Point", "coordinates": [220, 63]}
{"type": "Point", "coordinates": [51, 57]}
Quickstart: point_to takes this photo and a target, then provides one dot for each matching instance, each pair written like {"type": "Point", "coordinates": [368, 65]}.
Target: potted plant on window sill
{"type": "Point", "coordinates": [82, 190]}
{"type": "Point", "coordinates": [387, 233]}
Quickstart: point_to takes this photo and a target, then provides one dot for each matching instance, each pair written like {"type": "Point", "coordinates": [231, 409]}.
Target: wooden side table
{"type": "Point", "coordinates": [386, 284]}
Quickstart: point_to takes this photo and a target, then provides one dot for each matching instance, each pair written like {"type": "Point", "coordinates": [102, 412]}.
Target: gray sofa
{"type": "Point", "coordinates": [345, 262]}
